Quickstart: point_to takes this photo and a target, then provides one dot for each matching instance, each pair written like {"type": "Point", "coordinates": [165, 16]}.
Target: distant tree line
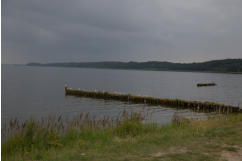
{"type": "Point", "coordinates": [226, 65]}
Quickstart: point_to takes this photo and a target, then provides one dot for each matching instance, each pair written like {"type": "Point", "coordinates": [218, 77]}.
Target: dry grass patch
{"type": "Point", "coordinates": [171, 150]}
{"type": "Point", "coordinates": [232, 154]}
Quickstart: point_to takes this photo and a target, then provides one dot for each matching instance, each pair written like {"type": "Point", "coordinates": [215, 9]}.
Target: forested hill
{"type": "Point", "coordinates": [226, 65]}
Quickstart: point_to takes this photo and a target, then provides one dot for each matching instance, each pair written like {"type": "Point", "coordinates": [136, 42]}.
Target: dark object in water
{"type": "Point", "coordinates": [194, 105]}
{"type": "Point", "coordinates": [206, 84]}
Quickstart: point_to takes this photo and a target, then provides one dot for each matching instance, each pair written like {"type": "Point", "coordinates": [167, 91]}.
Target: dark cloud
{"type": "Point", "coordinates": [138, 30]}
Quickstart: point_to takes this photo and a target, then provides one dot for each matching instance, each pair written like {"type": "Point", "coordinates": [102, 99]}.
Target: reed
{"type": "Point", "coordinates": [57, 131]}
{"type": "Point", "coordinates": [62, 125]}
{"type": "Point", "coordinates": [178, 103]}
{"type": "Point", "coordinates": [123, 137]}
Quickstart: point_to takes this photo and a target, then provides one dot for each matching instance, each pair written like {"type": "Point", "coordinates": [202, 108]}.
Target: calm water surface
{"type": "Point", "coordinates": [39, 91]}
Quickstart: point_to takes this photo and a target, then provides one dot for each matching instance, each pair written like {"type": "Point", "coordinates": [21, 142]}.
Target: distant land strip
{"type": "Point", "coordinates": [178, 103]}
{"type": "Point", "coordinates": [219, 66]}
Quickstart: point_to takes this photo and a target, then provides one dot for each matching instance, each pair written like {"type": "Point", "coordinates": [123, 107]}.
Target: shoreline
{"type": "Point", "coordinates": [132, 69]}
{"type": "Point", "coordinates": [130, 139]}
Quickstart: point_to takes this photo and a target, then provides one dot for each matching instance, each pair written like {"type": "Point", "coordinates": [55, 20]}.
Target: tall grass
{"type": "Point", "coordinates": [53, 131]}
{"type": "Point", "coordinates": [33, 139]}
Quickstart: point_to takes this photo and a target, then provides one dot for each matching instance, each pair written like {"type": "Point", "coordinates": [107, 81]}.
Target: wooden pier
{"type": "Point", "coordinates": [177, 103]}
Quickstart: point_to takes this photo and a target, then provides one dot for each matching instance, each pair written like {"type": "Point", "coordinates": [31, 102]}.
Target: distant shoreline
{"type": "Point", "coordinates": [230, 66]}
{"type": "Point", "coordinates": [141, 69]}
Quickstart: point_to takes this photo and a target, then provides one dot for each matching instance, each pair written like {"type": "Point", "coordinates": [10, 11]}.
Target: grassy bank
{"type": "Point", "coordinates": [124, 138]}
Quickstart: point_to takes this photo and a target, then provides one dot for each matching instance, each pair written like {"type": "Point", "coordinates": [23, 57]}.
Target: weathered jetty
{"type": "Point", "coordinates": [206, 84]}
{"type": "Point", "coordinates": [178, 103]}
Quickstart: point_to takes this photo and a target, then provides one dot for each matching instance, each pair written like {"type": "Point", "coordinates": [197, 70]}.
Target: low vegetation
{"type": "Point", "coordinates": [125, 137]}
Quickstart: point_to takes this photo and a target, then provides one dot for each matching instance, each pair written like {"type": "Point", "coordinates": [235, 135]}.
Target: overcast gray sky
{"type": "Point", "coordinates": [120, 30]}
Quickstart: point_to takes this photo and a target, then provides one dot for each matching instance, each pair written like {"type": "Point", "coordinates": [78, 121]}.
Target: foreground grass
{"type": "Point", "coordinates": [216, 139]}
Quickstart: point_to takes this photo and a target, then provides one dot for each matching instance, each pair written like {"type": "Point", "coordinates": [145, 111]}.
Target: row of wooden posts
{"type": "Point", "coordinates": [178, 103]}
{"type": "Point", "coordinates": [206, 84]}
